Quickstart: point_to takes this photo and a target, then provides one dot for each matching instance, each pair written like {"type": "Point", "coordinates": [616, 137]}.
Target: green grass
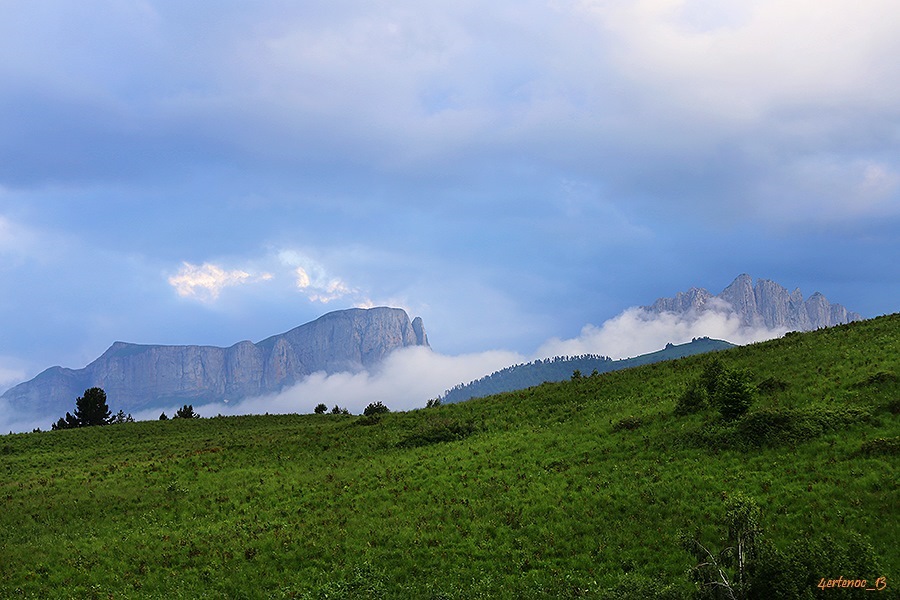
{"type": "Point", "coordinates": [572, 489]}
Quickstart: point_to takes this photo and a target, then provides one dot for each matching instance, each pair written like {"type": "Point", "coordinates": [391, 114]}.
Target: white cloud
{"type": "Point", "coordinates": [636, 331]}
{"type": "Point", "coordinates": [405, 380]}
{"type": "Point", "coordinates": [314, 280]}
{"type": "Point", "coordinates": [17, 241]}
{"type": "Point", "coordinates": [744, 61]}
{"type": "Point", "coordinates": [11, 372]}
{"type": "Point", "coordinates": [206, 281]}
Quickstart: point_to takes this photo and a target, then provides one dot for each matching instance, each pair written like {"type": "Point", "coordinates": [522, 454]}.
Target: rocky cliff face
{"type": "Point", "coordinates": [764, 304]}
{"type": "Point", "coordinates": [138, 376]}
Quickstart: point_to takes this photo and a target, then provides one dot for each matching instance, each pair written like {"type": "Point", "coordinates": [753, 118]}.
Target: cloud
{"type": "Point", "coordinates": [313, 279]}
{"type": "Point", "coordinates": [206, 281]}
{"type": "Point", "coordinates": [11, 372]}
{"type": "Point", "coordinates": [405, 380]}
{"type": "Point", "coordinates": [408, 377]}
{"type": "Point", "coordinates": [19, 242]}
{"type": "Point", "coordinates": [636, 331]}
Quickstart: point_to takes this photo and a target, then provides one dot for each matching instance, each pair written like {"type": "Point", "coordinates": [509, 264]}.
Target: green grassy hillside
{"type": "Point", "coordinates": [588, 488]}
{"type": "Point", "coordinates": [560, 368]}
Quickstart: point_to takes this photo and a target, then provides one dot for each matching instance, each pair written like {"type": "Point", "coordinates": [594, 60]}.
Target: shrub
{"type": "Point", "coordinates": [777, 426]}
{"type": "Point", "coordinates": [435, 431]}
{"type": "Point", "coordinates": [750, 567]}
{"type": "Point", "coordinates": [881, 447]}
{"type": "Point", "coordinates": [712, 376]}
{"type": "Point", "coordinates": [628, 423]}
{"type": "Point", "coordinates": [734, 395]}
{"type": "Point", "coordinates": [771, 386]}
{"type": "Point", "coordinates": [694, 399]}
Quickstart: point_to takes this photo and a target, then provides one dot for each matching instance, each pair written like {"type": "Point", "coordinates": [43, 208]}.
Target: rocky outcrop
{"type": "Point", "coordinates": [763, 304]}
{"type": "Point", "coordinates": [137, 376]}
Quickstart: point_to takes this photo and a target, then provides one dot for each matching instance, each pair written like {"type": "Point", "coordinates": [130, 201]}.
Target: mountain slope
{"type": "Point", "coordinates": [526, 375]}
{"type": "Point", "coordinates": [137, 376]}
{"type": "Point", "coordinates": [764, 303]}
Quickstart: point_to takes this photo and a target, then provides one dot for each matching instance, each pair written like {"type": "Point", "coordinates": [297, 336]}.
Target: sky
{"type": "Point", "coordinates": [516, 173]}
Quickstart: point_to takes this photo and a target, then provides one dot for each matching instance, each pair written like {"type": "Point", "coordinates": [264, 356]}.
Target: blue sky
{"type": "Point", "coordinates": [208, 172]}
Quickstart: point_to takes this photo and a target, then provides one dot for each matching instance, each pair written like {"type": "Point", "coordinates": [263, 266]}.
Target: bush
{"type": "Point", "coordinates": [628, 423]}
{"type": "Point", "coordinates": [881, 447]}
{"type": "Point", "coordinates": [435, 431]}
{"type": "Point", "coordinates": [712, 376]}
{"type": "Point", "coordinates": [734, 395]}
{"type": "Point", "coordinates": [337, 410]}
{"type": "Point", "coordinates": [694, 399]}
{"type": "Point", "coordinates": [750, 567]}
{"type": "Point", "coordinates": [771, 386]}
{"type": "Point", "coordinates": [777, 426]}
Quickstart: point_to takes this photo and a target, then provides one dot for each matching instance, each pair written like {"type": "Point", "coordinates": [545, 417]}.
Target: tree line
{"type": "Point", "coordinates": [92, 410]}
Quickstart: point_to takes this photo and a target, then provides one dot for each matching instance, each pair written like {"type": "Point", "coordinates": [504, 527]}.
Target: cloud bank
{"type": "Point", "coordinates": [636, 331]}
{"type": "Point", "coordinates": [410, 376]}
{"type": "Point", "coordinates": [405, 380]}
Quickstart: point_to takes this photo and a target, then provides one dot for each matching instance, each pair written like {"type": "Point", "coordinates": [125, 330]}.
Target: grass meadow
{"type": "Point", "coordinates": [578, 489]}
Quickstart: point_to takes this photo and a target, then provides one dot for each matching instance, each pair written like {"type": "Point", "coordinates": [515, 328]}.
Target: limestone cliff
{"type": "Point", "coordinates": [764, 303]}
{"type": "Point", "coordinates": [137, 376]}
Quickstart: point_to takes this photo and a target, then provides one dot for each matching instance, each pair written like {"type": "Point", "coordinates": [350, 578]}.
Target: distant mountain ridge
{"type": "Point", "coordinates": [560, 368]}
{"type": "Point", "coordinates": [764, 303]}
{"type": "Point", "coordinates": [138, 376]}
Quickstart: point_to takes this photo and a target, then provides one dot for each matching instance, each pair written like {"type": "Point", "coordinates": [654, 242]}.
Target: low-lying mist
{"type": "Point", "coordinates": [409, 377]}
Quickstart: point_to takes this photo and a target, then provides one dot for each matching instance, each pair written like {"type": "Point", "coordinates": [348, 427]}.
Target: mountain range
{"type": "Point", "coordinates": [764, 304]}
{"type": "Point", "coordinates": [138, 376]}
{"type": "Point", "coordinates": [761, 304]}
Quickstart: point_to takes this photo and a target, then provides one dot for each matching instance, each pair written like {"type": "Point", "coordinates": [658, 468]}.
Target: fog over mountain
{"type": "Point", "coordinates": [138, 377]}
{"type": "Point", "coordinates": [742, 313]}
{"type": "Point", "coordinates": [357, 356]}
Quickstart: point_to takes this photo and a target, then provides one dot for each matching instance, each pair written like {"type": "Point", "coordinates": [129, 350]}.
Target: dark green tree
{"type": "Point", "coordinates": [121, 417]}
{"type": "Point", "coordinates": [186, 412]}
{"type": "Point", "coordinates": [320, 409]}
{"type": "Point", "coordinates": [163, 417]}
{"type": "Point", "coordinates": [67, 422]}
{"type": "Point", "coordinates": [92, 409]}
{"type": "Point", "coordinates": [337, 410]}
{"type": "Point", "coordinates": [376, 408]}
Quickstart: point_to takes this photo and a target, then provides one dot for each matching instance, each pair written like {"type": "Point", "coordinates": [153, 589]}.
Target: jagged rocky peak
{"type": "Point", "coordinates": [139, 376]}
{"type": "Point", "coordinates": [763, 303]}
